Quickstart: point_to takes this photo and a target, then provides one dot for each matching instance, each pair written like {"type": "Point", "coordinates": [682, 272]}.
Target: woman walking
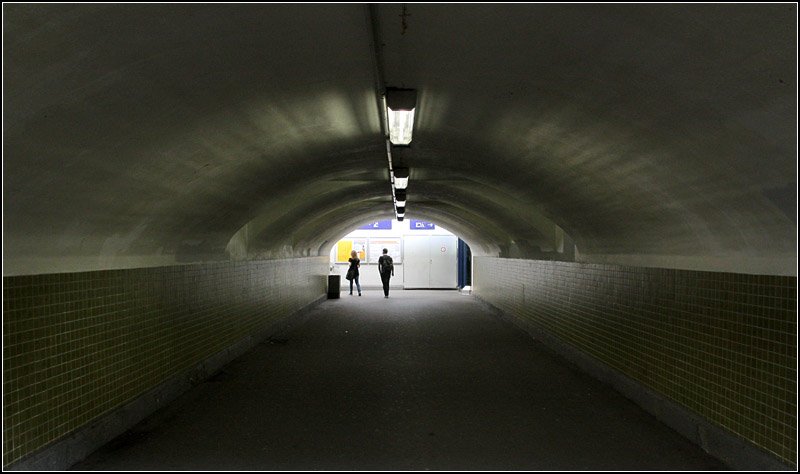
{"type": "Point", "coordinates": [352, 272]}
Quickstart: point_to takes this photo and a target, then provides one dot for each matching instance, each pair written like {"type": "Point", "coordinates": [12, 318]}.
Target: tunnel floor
{"type": "Point", "coordinates": [423, 380]}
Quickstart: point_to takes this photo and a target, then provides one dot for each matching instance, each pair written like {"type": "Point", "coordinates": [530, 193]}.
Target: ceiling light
{"type": "Point", "coordinates": [400, 176]}
{"type": "Point", "coordinates": [400, 105]}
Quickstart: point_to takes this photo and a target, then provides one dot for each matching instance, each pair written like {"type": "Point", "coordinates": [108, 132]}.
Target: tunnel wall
{"type": "Point", "coordinates": [79, 345]}
{"type": "Point", "coordinates": [722, 345]}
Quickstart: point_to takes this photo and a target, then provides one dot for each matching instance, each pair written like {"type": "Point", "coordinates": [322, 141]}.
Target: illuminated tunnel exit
{"type": "Point", "coordinates": [425, 255]}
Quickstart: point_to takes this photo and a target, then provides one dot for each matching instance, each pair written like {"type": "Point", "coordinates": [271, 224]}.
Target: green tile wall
{"type": "Point", "coordinates": [723, 345]}
{"type": "Point", "coordinates": [77, 345]}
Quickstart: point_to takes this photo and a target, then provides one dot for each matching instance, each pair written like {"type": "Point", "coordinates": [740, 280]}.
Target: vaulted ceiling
{"type": "Point", "coordinates": [156, 134]}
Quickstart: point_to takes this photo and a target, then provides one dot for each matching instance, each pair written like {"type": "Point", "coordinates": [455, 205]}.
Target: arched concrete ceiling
{"type": "Point", "coordinates": [155, 134]}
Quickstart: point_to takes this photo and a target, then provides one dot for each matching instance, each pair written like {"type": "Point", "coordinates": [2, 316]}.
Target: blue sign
{"type": "Point", "coordinates": [421, 225]}
{"type": "Point", "coordinates": [380, 225]}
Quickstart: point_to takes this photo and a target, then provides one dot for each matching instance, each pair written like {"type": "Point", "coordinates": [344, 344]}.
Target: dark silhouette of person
{"type": "Point", "coordinates": [352, 272]}
{"type": "Point", "coordinates": [386, 269]}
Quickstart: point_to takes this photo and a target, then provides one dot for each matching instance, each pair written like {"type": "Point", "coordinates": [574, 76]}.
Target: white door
{"type": "Point", "coordinates": [444, 262]}
{"type": "Point", "coordinates": [416, 262]}
{"type": "Point", "coordinates": [430, 262]}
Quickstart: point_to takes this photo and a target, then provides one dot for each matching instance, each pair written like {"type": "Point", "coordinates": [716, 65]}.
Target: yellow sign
{"type": "Point", "coordinates": [344, 247]}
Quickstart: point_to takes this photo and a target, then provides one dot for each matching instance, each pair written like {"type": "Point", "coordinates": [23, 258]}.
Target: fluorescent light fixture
{"type": "Point", "coordinates": [401, 124]}
{"type": "Point", "coordinates": [400, 176]}
{"type": "Point", "coordinates": [401, 203]}
{"type": "Point", "coordinates": [400, 105]}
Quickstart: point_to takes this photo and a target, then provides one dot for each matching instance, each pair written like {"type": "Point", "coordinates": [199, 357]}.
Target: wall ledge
{"type": "Point", "coordinates": [783, 265]}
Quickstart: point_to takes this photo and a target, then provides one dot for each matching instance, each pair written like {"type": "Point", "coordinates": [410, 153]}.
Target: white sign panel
{"type": "Point", "coordinates": [376, 247]}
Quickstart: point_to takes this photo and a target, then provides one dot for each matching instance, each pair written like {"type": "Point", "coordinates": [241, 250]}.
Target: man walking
{"type": "Point", "coordinates": [386, 269]}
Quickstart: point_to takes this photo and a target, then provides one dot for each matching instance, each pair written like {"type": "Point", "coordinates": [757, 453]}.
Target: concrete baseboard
{"type": "Point", "coordinates": [63, 453]}
{"type": "Point", "coordinates": [736, 452]}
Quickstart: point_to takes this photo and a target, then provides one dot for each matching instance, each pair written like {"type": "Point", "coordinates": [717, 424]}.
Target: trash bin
{"type": "Point", "coordinates": [333, 286]}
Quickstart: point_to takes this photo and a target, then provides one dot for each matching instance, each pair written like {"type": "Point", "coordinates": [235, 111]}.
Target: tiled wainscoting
{"type": "Point", "coordinates": [719, 344]}
{"type": "Point", "coordinates": [79, 345]}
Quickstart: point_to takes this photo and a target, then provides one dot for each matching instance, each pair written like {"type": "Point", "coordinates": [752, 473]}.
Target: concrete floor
{"type": "Point", "coordinates": [424, 380]}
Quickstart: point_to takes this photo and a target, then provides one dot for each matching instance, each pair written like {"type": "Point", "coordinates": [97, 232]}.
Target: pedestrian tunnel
{"type": "Point", "coordinates": [177, 177]}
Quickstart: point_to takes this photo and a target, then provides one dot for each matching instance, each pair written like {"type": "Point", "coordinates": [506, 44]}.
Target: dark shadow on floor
{"type": "Point", "coordinates": [423, 380]}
